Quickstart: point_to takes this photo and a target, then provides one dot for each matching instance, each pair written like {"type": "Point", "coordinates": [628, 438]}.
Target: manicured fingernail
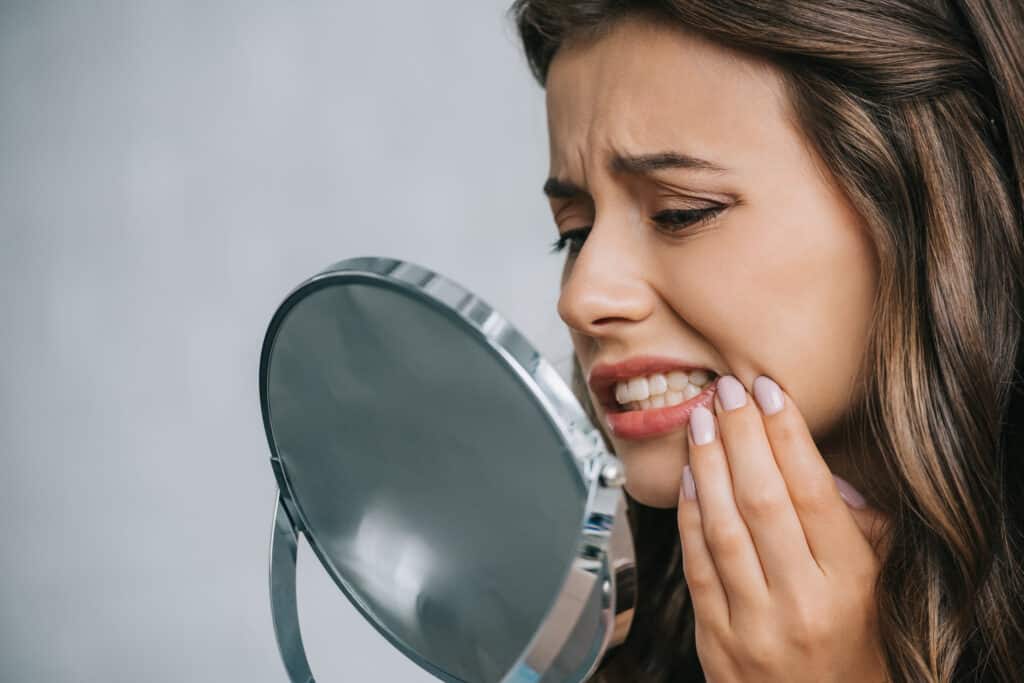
{"type": "Point", "coordinates": [768, 395]}
{"type": "Point", "coordinates": [851, 495]}
{"type": "Point", "coordinates": [689, 490]}
{"type": "Point", "coordinates": [731, 393]}
{"type": "Point", "coordinates": [702, 425]}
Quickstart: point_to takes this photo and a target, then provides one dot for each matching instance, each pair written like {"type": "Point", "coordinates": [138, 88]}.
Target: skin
{"type": "Point", "coordinates": [781, 283]}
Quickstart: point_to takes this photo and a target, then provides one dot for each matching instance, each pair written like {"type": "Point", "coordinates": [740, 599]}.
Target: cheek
{"type": "Point", "coordinates": [797, 310]}
{"type": "Point", "coordinates": [824, 303]}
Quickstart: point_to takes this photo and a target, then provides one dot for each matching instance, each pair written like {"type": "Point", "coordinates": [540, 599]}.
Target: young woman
{"type": "Point", "coordinates": [793, 284]}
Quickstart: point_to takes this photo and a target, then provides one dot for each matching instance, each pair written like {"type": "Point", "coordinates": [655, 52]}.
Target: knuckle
{"type": "Point", "coordinates": [762, 502]}
{"type": "Point", "coordinates": [809, 626]}
{"type": "Point", "coordinates": [815, 494]}
{"type": "Point", "coordinates": [710, 646]}
{"type": "Point", "coordinates": [786, 431]}
{"type": "Point", "coordinates": [760, 649]}
{"type": "Point", "coordinates": [700, 579]}
{"type": "Point", "coordinates": [724, 537]}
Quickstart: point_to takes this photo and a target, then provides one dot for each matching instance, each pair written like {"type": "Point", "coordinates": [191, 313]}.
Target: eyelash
{"type": "Point", "coordinates": [692, 217]}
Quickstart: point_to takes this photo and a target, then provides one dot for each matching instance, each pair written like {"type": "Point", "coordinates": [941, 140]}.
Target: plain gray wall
{"type": "Point", "coordinates": [168, 172]}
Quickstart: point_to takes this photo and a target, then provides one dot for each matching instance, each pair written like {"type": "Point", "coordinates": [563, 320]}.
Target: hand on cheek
{"type": "Point", "coordinates": [780, 572]}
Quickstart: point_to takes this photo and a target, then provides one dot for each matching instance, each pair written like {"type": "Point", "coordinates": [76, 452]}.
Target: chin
{"type": "Point", "coordinates": [654, 469]}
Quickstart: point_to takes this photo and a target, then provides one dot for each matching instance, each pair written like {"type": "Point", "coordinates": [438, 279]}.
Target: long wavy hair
{"type": "Point", "coordinates": [917, 108]}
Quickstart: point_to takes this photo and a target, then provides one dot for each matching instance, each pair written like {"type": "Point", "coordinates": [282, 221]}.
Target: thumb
{"type": "Point", "coordinates": [872, 523]}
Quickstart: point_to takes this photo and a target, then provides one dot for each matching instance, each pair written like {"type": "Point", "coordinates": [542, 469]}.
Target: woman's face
{"type": "Point", "coordinates": [761, 267]}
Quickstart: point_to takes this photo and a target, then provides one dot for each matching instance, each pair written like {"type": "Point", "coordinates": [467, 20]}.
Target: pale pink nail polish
{"type": "Point", "coordinates": [731, 393]}
{"type": "Point", "coordinates": [689, 489]}
{"type": "Point", "coordinates": [768, 395]}
{"type": "Point", "coordinates": [849, 494]}
{"type": "Point", "coordinates": [702, 425]}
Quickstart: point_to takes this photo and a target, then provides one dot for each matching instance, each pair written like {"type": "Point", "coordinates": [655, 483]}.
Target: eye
{"type": "Point", "coordinates": [675, 220]}
{"type": "Point", "coordinates": [572, 238]}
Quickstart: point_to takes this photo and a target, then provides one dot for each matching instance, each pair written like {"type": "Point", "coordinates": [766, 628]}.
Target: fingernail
{"type": "Point", "coordinates": [702, 425]}
{"type": "Point", "coordinates": [731, 393]}
{"type": "Point", "coordinates": [768, 395]}
{"type": "Point", "coordinates": [689, 490]}
{"type": "Point", "coordinates": [851, 495]}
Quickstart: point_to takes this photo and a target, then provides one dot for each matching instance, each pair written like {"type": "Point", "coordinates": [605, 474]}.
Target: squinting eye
{"type": "Point", "coordinates": [674, 220]}
{"type": "Point", "coordinates": [677, 219]}
{"type": "Point", "coordinates": [572, 238]}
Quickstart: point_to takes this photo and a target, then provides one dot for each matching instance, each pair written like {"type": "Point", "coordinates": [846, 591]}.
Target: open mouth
{"type": "Point", "coordinates": [648, 396]}
{"type": "Point", "coordinates": [654, 390]}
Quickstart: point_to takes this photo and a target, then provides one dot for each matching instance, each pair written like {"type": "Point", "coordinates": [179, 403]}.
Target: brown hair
{"type": "Point", "coordinates": [918, 110]}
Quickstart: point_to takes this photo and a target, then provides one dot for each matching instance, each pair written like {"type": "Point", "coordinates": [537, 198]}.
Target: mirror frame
{"type": "Point", "coordinates": [603, 568]}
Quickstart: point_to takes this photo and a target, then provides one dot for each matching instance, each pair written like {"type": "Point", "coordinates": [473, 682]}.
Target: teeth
{"type": "Point", "coordinates": [699, 377]}
{"type": "Point", "coordinates": [677, 381]}
{"type": "Point", "coordinates": [659, 390]}
{"type": "Point", "coordinates": [639, 389]}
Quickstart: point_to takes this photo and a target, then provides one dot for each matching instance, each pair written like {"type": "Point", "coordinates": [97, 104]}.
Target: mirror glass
{"type": "Point", "coordinates": [431, 483]}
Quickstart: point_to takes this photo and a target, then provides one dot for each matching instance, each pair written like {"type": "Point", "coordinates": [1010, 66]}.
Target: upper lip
{"type": "Point", "coordinates": [603, 376]}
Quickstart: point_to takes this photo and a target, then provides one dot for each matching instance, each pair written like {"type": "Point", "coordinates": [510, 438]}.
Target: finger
{"type": "Point", "coordinates": [831, 532]}
{"type": "Point", "coordinates": [871, 522]}
{"type": "Point", "coordinates": [710, 604]}
{"type": "Point", "coordinates": [760, 491]}
{"type": "Point", "coordinates": [725, 533]}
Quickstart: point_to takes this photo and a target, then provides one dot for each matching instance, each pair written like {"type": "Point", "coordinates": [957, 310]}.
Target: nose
{"type": "Point", "coordinates": [605, 286]}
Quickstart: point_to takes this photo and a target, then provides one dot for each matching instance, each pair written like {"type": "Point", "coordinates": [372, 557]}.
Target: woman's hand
{"type": "Point", "coordinates": [780, 569]}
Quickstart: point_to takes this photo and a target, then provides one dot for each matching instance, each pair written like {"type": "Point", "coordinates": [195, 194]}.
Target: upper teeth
{"type": "Point", "coordinates": [659, 390]}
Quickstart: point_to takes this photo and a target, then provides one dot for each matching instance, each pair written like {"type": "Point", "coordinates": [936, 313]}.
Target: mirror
{"type": "Point", "coordinates": [445, 477]}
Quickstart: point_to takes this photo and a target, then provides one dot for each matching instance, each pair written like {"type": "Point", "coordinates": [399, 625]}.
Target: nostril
{"type": "Point", "coordinates": [607, 320]}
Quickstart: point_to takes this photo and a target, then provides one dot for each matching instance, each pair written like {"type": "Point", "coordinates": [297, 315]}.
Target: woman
{"type": "Point", "coordinates": [793, 284]}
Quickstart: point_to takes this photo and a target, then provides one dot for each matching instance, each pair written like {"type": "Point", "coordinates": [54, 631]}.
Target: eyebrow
{"type": "Point", "coordinates": [556, 188]}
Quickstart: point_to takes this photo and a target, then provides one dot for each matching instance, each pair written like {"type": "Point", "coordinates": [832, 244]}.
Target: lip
{"type": "Point", "coordinates": [641, 424]}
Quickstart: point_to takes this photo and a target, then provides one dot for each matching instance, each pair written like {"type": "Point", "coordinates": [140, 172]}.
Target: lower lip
{"type": "Point", "coordinates": [643, 424]}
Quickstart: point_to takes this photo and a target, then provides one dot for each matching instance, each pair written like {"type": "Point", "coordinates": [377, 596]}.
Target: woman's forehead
{"type": "Point", "coordinates": [642, 87]}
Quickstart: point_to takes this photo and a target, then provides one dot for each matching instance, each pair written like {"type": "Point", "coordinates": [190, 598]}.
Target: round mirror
{"type": "Point", "coordinates": [446, 478]}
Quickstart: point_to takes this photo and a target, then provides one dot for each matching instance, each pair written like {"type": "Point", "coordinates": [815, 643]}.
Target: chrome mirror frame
{"type": "Point", "coordinates": [596, 603]}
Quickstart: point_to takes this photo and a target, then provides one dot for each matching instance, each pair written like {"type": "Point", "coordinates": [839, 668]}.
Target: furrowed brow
{"type": "Point", "coordinates": [562, 189]}
{"type": "Point", "coordinates": [647, 163]}
{"type": "Point", "coordinates": [640, 164]}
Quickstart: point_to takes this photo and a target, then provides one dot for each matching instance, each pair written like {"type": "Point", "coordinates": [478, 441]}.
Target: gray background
{"type": "Point", "coordinates": [168, 171]}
